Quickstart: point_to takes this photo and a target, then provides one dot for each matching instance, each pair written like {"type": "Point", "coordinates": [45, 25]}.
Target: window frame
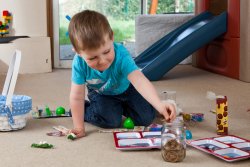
{"type": "Point", "coordinates": [56, 46]}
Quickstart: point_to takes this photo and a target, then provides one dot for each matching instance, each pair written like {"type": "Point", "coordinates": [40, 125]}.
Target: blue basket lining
{"type": "Point", "coordinates": [21, 104]}
{"type": "Point", "coordinates": [15, 98]}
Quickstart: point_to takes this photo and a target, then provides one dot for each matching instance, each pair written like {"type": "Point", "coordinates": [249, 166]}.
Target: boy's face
{"type": "Point", "coordinates": [101, 58]}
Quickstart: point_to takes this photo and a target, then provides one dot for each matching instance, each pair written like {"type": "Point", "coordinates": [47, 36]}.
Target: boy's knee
{"type": "Point", "coordinates": [113, 124]}
{"type": "Point", "coordinates": [147, 119]}
{"type": "Point", "coordinates": [117, 124]}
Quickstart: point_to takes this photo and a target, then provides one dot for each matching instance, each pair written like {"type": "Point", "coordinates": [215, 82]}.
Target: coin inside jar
{"type": "Point", "coordinates": [173, 151]}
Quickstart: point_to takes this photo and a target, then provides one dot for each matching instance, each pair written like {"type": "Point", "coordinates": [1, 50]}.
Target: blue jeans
{"type": "Point", "coordinates": [106, 110]}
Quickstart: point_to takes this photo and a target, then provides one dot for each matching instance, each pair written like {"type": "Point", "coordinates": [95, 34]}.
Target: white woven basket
{"type": "Point", "coordinates": [13, 108]}
{"type": "Point", "coordinates": [20, 122]}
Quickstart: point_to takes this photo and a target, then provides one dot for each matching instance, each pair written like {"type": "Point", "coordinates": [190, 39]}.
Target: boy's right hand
{"type": "Point", "coordinates": [79, 132]}
{"type": "Point", "coordinates": [168, 111]}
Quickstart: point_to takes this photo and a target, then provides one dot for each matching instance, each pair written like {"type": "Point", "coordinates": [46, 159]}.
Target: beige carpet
{"type": "Point", "coordinates": [97, 149]}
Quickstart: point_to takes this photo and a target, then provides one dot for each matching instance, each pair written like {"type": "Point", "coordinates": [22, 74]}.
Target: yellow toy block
{"type": "Point", "coordinates": [222, 116]}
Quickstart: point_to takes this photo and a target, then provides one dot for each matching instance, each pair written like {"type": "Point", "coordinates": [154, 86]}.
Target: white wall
{"type": "Point", "coordinates": [29, 16]}
{"type": "Point", "coordinates": [244, 40]}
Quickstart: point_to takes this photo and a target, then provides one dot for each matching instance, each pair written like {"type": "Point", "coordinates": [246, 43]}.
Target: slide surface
{"type": "Point", "coordinates": [177, 45]}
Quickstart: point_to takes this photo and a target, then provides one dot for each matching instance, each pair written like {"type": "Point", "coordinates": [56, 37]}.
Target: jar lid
{"type": "Point", "coordinates": [177, 122]}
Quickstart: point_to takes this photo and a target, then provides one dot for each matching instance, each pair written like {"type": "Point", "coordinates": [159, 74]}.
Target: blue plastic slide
{"type": "Point", "coordinates": [170, 50]}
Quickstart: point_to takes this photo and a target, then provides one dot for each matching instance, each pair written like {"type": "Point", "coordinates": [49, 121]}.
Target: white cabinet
{"type": "Point", "coordinates": [36, 54]}
{"type": "Point", "coordinates": [29, 19]}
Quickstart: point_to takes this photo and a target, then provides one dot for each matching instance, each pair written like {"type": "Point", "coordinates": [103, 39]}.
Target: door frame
{"type": "Point", "coordinates": [57, 62]}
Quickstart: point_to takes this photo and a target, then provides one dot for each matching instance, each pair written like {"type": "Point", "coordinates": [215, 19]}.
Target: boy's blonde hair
{"type": "Point", "coordinates": [88, 30]}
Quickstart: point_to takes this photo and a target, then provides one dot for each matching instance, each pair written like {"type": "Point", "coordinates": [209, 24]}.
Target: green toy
{"type": "Point", "coordinates": [60, 110]}
{"type": "Point", "coordinates": [71, 136]}
{"type": "Point", "coordinates": [42, 145]}
{"type": "Point", "coordinates": [128, 123]}
{"type": "Point", "coordinates": [48, 112]}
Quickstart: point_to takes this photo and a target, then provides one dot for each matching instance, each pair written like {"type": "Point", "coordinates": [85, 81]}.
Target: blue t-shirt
{"type": "Point", "coordinates": [112, 81]}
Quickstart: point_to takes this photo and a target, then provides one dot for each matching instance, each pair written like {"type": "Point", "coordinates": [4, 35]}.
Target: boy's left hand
{"type": "Point", "coordinates": [168, 110]}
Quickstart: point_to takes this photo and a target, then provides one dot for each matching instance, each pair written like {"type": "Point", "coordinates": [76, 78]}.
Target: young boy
{"type": "Point", "coordinates": [115, 85]}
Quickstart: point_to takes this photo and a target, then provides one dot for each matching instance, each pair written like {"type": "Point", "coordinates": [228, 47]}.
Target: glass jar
{"type": "Point", "coordinates": [173, 141]}
{"type": "Point", "coordinates": [168, 95]}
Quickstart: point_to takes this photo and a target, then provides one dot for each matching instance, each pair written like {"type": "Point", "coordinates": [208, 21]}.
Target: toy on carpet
{"type": "Point", "coordinates": [71, 136]}
{"type": "Point", "coordinates": [62, 131]}
{"type": "Point", "coordinates": [128, 123]}
{"type": "Point", "coordinates": [221, 112]}
{"type": "Point", "coordinates": [190, 119]}
{"type": "Point", "coordinates": [42, 144]}
{"type": "Point", "coordinates": [48, 113]}
{"type": "Point", "coordinates": [188, 134]}
{"type": "Point", "coordinates": [227, 147]}
{"type": "Point", "coordinates": [5, 24]}
{"type": "Point", "coordinates": [60, 110]}
{"type": "Point", "coordinates": [222, 116]}
{"type": "Point", "coordinates": [137, 140]}
{"type": "Point", "coordinates": [151, 128]}
{"type": "Point", "coordinates": [55, 133]}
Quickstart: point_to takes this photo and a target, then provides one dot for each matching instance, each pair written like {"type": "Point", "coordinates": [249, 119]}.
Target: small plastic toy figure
{"type": "Point", "coordinates": [188, 134]}
{"type": "Point", "coordinates": [196, 117]}
{"type": "Point", "coordinates": [46, 112]}
{"type": "Point", "coordinates": [128, 123]}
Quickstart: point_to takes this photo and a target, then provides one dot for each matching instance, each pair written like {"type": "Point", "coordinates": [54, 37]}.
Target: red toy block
{"type": "Point", "coordinates": [5, 13]}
